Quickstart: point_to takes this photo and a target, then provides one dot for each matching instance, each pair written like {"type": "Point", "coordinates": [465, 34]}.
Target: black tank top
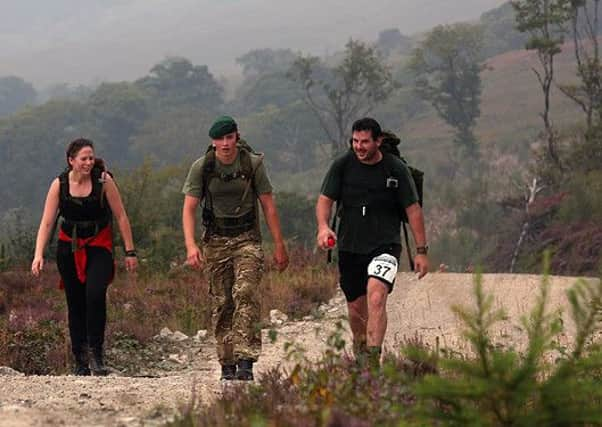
{"type": "Point", "coordinates": [90, 213]}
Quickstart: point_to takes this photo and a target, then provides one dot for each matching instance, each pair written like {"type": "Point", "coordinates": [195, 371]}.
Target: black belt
{"type": "Point", "coordinates": [83, 228]}
{"type": "Point", "coordinates": [232, 227]}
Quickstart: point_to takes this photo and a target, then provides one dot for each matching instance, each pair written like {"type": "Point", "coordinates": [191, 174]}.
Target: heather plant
{"type": "Point", "coordinates": [334, 390]}
{"type": "Point", "coordinates": [494, 384]}
{"type": "Point", "coordinates": [33, 320]}
{"type": "Point", "coordinates": [502, 386]}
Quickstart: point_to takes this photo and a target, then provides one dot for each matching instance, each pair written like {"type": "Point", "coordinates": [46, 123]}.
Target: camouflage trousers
{"type": "Point", "coordinates": [234, 269]}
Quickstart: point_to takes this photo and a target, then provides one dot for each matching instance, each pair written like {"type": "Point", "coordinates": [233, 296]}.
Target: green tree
{"type": "Point", "coordinates": [447, 67]}
{"type": "Point", "coordinates": [173, 136]}
{"type": "Point", "coordinates": [544, 21]}
{"type": "Point", "coordinates": [32, 150]}
{"type": "Point", "coordinates": [118, 110]}
{"type": "Point", "coordinates": [15, 93]}
{"type": "Point", "coordinates": [584, 28]}
{"type": "Point", "coordinates": [341, 94]}
{"type": "Point", "coordinates": [392, 41]}
{"type": "Point", "coordinates": [289, 136]}
{"type": "Point", "coordinates": [259, 62]}
{"type": "Point", "coordinates": [177, 82]}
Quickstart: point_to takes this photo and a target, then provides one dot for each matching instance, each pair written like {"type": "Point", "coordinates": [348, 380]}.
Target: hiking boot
{"type": "Point", "coordinates": [81, 363]}
{"type": "Point", "coordinates": [228, 372]}
{"type": "Point", "coordinates": [97, 365]}
{"type": "Point", "coordinates": [245, 370]}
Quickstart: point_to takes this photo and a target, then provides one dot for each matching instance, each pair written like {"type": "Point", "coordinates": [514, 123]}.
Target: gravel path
{"type": "Point", "coordinates": [415, 308]}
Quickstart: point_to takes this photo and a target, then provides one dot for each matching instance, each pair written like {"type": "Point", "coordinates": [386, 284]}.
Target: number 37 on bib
{"type": "Point", "coordinates": [383, 267]}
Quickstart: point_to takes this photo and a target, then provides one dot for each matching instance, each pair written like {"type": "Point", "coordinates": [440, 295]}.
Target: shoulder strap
{"type": "Point", "coordinates": [207, 170]}
{"type": "Point", "coordinates": [249, 174]}
{"type": "Point", "coordinates": [64, 185]}
{"type": "Point", "coordinates": [98, 185]}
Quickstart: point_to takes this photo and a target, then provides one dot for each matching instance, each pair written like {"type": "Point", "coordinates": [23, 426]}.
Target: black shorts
{"type": "Point", "coordinates": [353, 270]}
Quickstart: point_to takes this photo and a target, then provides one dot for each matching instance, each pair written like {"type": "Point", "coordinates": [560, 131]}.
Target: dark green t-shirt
{"type": "Point", "coordinates": [227, 195]}
{"type": "Point", "coordinates": [370, 208]}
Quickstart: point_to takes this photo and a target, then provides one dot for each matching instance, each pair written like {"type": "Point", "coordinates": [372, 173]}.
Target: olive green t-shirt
{"type": "Point", "coordinates": [371, 198]}
{"type": "Point", "coordinates": [227, 195]}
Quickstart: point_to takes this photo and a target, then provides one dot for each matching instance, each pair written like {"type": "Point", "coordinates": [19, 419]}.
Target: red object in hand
{"type": "Point", "coordinates": [331, 242]}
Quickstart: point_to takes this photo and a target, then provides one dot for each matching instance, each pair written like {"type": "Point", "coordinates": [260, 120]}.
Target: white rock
{"type": "Point", "coordinates": [179, 358]}
{"type": "Point", "coordinates": [200, 335]}
{"type": "Point", "coordinates": [165, 333]}
{"type": "Point", "coordinates": [179, 336]}
{"type": "Point", "coordinates": [277, 317]}
{"type": "Point", "coordinates": [5, 371]}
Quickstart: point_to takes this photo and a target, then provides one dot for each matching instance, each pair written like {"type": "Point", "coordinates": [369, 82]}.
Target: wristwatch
{"type": "Point", "coordinates": [422, 250]}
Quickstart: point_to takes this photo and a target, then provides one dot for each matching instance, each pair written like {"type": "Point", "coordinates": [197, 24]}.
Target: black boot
{"type": "Point", "coordinates": [245, 370]}
{"type": "Point", "coordinates": [81, 362]}
{"type": "Point", "coordinates": [97, 365]}
{"type": "Point", "coordinates": [228, 372]}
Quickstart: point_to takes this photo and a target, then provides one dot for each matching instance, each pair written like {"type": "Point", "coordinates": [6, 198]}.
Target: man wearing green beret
{"type": "Point", "coordinates": [229, 181]}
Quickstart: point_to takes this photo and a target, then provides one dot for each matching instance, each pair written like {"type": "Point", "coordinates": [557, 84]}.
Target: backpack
{"type": "Point", "coordinates": [389, 146]}
{"type": "Point", "coordinates": [208, 173]}
{"type": "Point", "coordinates": [98, 192]}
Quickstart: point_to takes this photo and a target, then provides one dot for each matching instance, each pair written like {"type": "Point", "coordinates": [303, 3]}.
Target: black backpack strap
{"type": "Point", "coordinates": [248, 174]}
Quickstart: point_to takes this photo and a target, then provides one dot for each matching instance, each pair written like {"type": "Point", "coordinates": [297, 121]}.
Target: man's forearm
{"type": "Point", "coordinates": [323, 211]}
{"type": "Point", "coordinates": [272, 220]}
{"type": "Point", "coordinates": [189, 220]}
{"type": "Point", "coordinates": [416, 221]}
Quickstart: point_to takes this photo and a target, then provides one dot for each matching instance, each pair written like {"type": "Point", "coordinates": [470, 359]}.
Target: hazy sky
{"type": "Point", "coordinates": [81, 41]}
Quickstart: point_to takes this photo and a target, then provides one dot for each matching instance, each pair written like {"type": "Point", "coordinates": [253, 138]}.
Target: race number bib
{"type": "Point", "coordinates": [383, 267]}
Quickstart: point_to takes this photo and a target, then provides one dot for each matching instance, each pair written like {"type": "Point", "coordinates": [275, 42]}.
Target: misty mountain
{"type": "Point", "coordinates": [83, 42]}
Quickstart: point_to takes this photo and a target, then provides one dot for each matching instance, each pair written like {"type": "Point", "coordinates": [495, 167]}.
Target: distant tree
{"type": "Point", "coordinates": [32, 145]}
{"type": "Point", "coordinates": [499, 31]}
{"type": "Point", "coordinates": [545, 21]}
{"type": "Point", "coordinates": [288, 135]}
{"type": "Point", "coordinates": [118, 110]}
{"type": "Point", "coordinates": [173, 136]}
{"type": "Point", "coordinates": [340, 95]}
{"type": "Point", "coordinates": [66, 91]}
{"type": "Point", "coordinates": [585, 21]}
{"type": "Point", "coordinates": [175, 82]}
{"type": "Point", "coordinates": [391, 40]}
{"type": "Point", "coordinates": [266, 90]}
{"type": "Point", "coordinates": [447, 67]}
{"type": "Point", "coordinates": [258, 62]}
{"type": "Point", "coordinates": [15, 93]}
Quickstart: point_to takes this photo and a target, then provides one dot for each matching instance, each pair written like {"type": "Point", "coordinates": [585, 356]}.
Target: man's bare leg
{"type": "Point", "coordinates": [377, 315]}
{"type": "Point", "coordinates": [358, 318]}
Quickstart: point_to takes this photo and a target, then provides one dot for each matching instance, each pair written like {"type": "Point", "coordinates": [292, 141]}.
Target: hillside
{"type": "Point", "coordinates": [416, 309]}
{"type": "Point", "coordinates": [511, 103]}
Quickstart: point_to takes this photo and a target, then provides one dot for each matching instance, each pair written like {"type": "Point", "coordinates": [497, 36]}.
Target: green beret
{"type": "Point", "coordinates": [222, 126]}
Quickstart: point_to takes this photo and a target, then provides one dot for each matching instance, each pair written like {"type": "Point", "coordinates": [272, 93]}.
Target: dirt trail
{"type": "Point", "coordinates": [415, 308]}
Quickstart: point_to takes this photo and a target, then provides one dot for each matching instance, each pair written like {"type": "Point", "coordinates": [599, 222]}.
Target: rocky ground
{"type": "Point", "coordinates": [148, 385]}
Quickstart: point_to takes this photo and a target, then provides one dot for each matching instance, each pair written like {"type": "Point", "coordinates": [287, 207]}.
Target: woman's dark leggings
{"type": "Point", "coordinates": [86, 303]}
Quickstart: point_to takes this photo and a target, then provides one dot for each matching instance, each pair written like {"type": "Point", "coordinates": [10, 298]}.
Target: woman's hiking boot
{"type": "Point", "coordinates": [245, 370]}
{"type": "Point", "coordinates": [81, 363]}
{"type": "Point", "coordinates": [97, 365]}
{"type": "Point", "coordinates": [228, 372]}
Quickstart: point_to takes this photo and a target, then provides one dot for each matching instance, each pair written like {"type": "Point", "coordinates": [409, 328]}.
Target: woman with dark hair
{"type": "Point", "coordinates": [86, 198]}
